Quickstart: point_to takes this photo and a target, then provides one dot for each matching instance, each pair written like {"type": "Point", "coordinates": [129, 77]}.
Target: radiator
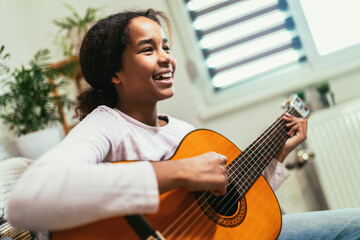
{"type": "Point", "coordinates": [334, 136]}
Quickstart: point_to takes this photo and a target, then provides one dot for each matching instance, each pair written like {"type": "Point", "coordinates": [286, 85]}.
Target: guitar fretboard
{"type": "Point", "coordinates": [249, 165]}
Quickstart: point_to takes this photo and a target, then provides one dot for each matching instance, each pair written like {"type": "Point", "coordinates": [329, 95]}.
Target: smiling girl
{"type": "Point", "coordinates": [127, 61]}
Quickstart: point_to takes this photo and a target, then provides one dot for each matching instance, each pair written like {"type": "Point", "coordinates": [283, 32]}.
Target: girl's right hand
{"type": "Point", "coordinates": [206, 172]}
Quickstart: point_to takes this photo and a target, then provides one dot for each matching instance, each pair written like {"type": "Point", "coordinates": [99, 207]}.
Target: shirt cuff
{"type": "Point", "coordinates": [138, 188]}
{"type": "Point", "coordinates": [275, 173]}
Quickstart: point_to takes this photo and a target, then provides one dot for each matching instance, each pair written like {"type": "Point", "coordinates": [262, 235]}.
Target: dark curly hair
{"type": "Point", "coordinates": [100, 57]}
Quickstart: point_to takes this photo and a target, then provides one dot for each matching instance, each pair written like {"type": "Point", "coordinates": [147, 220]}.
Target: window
{"type": "Point", "coordinates": [331, 34]}
{"type": "Point", "coordinates": [243, 39]}
{"type": "Point", "coordinates": [258, 49]}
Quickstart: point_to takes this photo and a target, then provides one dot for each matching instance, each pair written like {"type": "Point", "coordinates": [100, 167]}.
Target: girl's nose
{"type": "Point", "coordinates": [165, 57]}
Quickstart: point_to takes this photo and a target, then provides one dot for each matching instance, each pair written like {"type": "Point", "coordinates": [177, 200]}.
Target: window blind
{"type": "Point", "coordinates": [242, 40]}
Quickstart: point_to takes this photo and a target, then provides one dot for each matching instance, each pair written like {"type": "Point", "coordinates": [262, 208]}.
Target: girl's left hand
{"type": "Point", "coordinates": [297, 133]}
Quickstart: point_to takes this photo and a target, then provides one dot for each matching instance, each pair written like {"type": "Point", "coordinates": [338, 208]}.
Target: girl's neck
{"type": "Point", "coordinates": [145, 114]}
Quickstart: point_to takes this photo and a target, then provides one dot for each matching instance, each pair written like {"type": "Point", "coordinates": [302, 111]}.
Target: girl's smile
{"type": "Point", "coordinates": [165, 78]}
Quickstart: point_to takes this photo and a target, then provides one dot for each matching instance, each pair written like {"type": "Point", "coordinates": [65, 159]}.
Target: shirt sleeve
{"type": "Point", "coordinates": [69, 186]}
{"type": "Point", "coordinates": [275, 173]}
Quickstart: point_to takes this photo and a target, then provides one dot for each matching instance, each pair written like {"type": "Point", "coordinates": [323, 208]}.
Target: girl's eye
{"type": "Point", "coordinates": [147, 50]}
{"type": "Point", "coordinates": [166, 48]}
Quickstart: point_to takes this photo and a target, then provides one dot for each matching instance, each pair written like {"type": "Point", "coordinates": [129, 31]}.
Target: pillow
{"type": "Point", "coordinates": [10, 171]}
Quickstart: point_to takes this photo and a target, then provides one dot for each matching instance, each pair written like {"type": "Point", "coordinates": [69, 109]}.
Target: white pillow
{"type": "Point", "coordinates": [10, 171]}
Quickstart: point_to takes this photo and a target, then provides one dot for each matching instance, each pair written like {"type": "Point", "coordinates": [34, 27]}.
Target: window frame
{"type": "Point", "coordinates": [212, 103]}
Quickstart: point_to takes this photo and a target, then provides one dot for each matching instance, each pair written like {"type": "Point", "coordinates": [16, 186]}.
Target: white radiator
{"type": "Point", "coordinates": [334, 136]}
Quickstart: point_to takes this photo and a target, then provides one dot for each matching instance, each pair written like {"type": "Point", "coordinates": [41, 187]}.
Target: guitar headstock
{"type": "Point", "coordinates": [295, 102]}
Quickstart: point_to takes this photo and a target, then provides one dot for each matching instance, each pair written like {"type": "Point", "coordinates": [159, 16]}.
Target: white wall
{"type": "Point", "coordinates": [26, 26]}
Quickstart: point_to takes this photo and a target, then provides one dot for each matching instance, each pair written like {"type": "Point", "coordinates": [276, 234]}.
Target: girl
{"type": "Point", "coordinates": [126, 59]}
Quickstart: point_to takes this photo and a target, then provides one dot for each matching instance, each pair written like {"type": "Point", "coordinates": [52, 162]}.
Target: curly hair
{"type": "Point", "coordinates": [100, 57]}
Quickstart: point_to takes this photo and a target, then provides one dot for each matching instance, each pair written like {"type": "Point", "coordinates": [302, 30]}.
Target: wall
{"type": "Point", "coordinates": [25, 27]}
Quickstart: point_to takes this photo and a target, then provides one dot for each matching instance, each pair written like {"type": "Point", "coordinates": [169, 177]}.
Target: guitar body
{"type": "Point", "coordinates": [185, 215]}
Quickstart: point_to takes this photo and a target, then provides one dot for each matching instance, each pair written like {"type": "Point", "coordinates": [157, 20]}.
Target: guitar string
{"type": "Point", "coordinates": [250, 181]}
{"type": "Point", "coordinates": [199, 222]}
{"type": "Point", "coordinates": [277, 141]}
{"type": "Point", "coordinates": [207, 199]}
{"type": "Point", "coordinates": [198, 227]}
{"type": "Point", "coordinates": [260, 139]}
{"type": "Point", "coordinates": [270, 148]}
{"type": "Point", "coordinates": [196, 220]}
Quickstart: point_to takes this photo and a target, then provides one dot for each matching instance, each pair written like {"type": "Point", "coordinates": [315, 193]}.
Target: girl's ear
{"type": "Point", "coordinates": [116, 79]}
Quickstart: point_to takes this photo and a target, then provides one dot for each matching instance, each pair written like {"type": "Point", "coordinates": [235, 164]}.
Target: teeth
{"type": "Point", "coordinates": [164, 75]}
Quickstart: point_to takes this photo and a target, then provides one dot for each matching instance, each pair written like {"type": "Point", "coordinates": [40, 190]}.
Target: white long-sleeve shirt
{"type": "Point", "coordinates": [67, 187]}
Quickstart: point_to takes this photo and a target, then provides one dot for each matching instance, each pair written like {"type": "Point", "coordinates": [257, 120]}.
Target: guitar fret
{"type": "Point", "coordinates": [249, 165]}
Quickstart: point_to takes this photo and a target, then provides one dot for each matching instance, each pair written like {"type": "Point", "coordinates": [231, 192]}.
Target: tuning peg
{"type": "Point", "coordinates": [287, 102]}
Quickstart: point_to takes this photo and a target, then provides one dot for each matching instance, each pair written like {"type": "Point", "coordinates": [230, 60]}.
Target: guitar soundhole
{"type": "Point", "coordinates": [228, 210]}
{"type": "Point", "coordinates": [226, 205]}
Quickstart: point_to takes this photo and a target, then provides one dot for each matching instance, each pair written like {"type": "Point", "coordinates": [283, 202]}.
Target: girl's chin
{"type": "Point", "coordinates": [168, 93]}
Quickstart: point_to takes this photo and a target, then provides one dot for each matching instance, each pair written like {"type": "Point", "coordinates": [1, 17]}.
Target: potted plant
{"type": "Point", "coordinates": [301, 94]}
{"type": "Point", "coordinates": [326, 95]}
{"type": "Point", "coordinates": [30, 103]}
{"type": "Point", "coordinates": [73, 29]}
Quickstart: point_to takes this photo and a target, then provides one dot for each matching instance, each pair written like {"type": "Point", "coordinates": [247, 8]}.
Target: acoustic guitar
{"type": "Point", "coordinates": [249, 210]}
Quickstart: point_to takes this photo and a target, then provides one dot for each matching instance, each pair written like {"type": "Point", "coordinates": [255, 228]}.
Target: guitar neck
{"type": "Point", "coordinates": [250, 164]}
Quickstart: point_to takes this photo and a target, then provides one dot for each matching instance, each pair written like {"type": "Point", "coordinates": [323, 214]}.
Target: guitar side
{"type": "Point", "coordinates": [180, 215]}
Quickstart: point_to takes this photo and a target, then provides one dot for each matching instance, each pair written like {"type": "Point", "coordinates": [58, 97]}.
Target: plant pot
{"type": "Point", "coordinates": [33, 145]}
{"type": "Point", "coordinates": [328, 99]}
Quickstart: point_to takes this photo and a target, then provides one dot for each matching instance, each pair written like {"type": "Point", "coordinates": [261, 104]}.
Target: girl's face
{"type": "Point", "coordinates": [147, 64]}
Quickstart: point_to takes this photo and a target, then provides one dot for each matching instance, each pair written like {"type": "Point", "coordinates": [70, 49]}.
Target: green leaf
{"type": "Point", "coordinates": [4, 68]}
{"type": "Point", "coordinates": [74, 21]}
{"type": "Point", "coordinates": [28, 103]}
